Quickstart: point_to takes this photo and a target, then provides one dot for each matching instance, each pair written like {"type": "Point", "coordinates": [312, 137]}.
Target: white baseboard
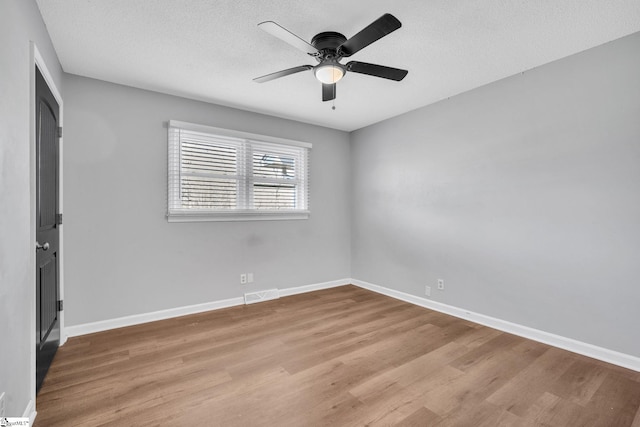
{"type": "Point", "coordinates": [30, 412]}
{"type": "Point", "coordinates": [310, 288]}
{"type": "Point", "coordinates": [590, 350]}
{"type": "Point", "coordinates": [137, 319]}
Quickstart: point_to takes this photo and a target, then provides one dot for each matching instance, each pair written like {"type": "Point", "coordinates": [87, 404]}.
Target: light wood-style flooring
{"type": "Point", "coordinates": [339, 357]}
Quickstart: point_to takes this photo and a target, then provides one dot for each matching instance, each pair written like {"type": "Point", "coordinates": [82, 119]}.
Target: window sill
{"type": "Point", "coordinates": [237, 216]}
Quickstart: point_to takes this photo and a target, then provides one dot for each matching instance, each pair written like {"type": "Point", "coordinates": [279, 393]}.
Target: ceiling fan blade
{"type": "Point", "coordinates": [282, 73]}
{"type": "Point", "coordinates": [287, 36]}
{"type": "Point", "coordinates": [328, 92]}
{"type": "Point", "coordinates": [377, 70]}
{"type": "Point", "coordinates": [379, 28]}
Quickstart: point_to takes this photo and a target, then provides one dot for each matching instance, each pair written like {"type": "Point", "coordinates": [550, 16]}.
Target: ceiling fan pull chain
{"type": "Point", "coordinates": [333, 101]}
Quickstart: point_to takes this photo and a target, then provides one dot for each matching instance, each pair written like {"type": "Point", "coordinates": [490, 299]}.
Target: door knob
{"type": "Point", "coordinates": [44, 247]}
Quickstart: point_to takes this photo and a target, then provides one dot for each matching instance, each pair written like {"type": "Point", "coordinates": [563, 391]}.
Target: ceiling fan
{"type": "Point", "coordinates": [329, 47]}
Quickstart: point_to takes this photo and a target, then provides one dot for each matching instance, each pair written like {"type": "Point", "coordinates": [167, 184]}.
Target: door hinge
{"type": "Point", "coordinates": [60, 305]}
{"type": "Point", "coordinates": [59, 131]}
{"type": "Point", "coordinates": [59, 219]}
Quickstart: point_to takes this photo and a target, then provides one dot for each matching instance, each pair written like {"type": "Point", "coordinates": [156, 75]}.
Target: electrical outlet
{"type": "Point", "coordinates": [440, 285]}
{"type": "Point", "coordinates": [249, 277]}
{"type": "Point", "coordinates": [2, 413]}
{"type": "Point", "coordinates": [243, 279]}
{"type": "Point", "coordinates": [427, 291]}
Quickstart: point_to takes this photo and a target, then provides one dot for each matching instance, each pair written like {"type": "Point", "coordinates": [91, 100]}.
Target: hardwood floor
{"type": "Point", "coordinates": [340, 357]}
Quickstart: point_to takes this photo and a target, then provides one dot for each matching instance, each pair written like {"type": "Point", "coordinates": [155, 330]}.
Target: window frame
{"type": "Point", "coordinates": [245, 139]}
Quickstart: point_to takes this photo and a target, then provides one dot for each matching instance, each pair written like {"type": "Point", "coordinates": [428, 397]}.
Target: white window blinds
{"type": "Point", "coordinates": [218, 174]}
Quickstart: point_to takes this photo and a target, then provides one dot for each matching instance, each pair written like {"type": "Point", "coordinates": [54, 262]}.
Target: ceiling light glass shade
{"type": "Point", "coordinates": [329, 73]}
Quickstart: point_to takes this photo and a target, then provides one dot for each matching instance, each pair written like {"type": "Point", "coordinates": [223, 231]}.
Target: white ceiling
{"type": "Point", "coordinates": [210, 50]}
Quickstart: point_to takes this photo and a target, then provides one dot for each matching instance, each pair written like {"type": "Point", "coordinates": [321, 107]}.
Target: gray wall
{"type": "Point", "coordinates": [20, 23]}
{"type": "Point", "coordinates": [523, 195]}
{"type": "Point", "coordinates": [123, 257]}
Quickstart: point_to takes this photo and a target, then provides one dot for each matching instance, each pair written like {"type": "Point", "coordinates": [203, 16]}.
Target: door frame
{"type": "Point", "coordinates": [37, 60]}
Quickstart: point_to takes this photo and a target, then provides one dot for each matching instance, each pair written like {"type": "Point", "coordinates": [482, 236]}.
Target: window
{"type": "Point", "coordinates": [224, 175]}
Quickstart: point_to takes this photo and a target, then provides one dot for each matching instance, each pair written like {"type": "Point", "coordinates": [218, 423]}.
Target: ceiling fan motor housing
{"type": "Point", "coordinates": [327, 43]}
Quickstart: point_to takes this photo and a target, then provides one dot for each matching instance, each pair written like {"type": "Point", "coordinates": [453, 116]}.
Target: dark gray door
{"type": "Point", "coordinates": [47, 230]}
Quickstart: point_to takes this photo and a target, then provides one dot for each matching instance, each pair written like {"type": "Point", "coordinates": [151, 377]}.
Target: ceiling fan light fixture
{"type": "Point", "coordinates": [329, 73]}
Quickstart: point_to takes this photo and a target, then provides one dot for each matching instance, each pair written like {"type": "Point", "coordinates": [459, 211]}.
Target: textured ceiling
{"type": "Point", "coordinates": [211, 50]}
